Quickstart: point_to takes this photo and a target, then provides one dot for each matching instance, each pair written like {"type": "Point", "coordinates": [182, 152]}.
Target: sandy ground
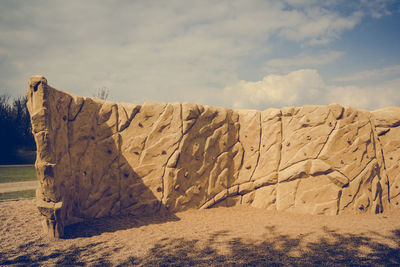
{"type": "Point", "coordinates": [18, 186]}
{"type": "Point", "coordinates": [215, 237]}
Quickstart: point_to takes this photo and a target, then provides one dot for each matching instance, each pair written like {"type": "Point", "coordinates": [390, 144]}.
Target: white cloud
{"type": "Point", "coordinates": [306, 86]}
{"type": "Point", "coordinates": [369, 97]}
{"type": "Point", "coordinates": [377, 8]}
{"type": "Point", "coordinates": [301, 61]}
{"type": "Point", "coordinates": [373, 8]}
{"type": "Point", "coordinates": [371, 74]}
{"type": "Point", "coordinates": [318, 26]}
{"type": "Point", "coordinates": [158, 50]}
{"type": "Point", "coordinates": [276, 90]}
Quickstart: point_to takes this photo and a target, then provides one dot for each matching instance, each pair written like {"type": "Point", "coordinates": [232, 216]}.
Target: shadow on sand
{"type": "Point", "coordinates": [112, 224]}
{"type": "Point", "coordinates": [276, 249]}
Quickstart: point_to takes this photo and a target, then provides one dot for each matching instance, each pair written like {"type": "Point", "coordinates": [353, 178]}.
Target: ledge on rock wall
{"type": "Point", "coordinates": [97, 158]}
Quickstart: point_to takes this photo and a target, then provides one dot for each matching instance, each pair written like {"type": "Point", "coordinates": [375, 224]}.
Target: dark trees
{"type": "Point", "coordinates": [16, 139]}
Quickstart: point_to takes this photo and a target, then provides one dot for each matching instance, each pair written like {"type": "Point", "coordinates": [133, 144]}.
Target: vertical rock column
{"type": "Point", "coordinates": [49, 116]}
{"type": "Point", "coordinates": [387, 128]}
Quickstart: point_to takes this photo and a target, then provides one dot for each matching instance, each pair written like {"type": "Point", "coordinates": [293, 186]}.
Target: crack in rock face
{"type": "Point", "coordinates": [97, 158]}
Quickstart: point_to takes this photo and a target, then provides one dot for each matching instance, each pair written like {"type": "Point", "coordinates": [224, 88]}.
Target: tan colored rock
{"type": "Point", "coordinates": [304, 133]}
{"type": "Point", "coordinates": [265, 198]}
{"type": "Point", "coordinates": [270, 147]}
{"type": "Point", "coordinates": [98, 158]}
{"type": "Point", "coordinates": [317, 195]}
{"type": "Point", "coordinates": [387, 123]}
{"type": "Point", "coordinates": [352, 143]}
{"type": "Point", "coordinates": [286, 195]}
{"type": "Point", "coordinates": [247, 199]}
{"type": "Point", "coordinates": [249, 138]}
{"type": "Point", "coordinates": [387, 117]}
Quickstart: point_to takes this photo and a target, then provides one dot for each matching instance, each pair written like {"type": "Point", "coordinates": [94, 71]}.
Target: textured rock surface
{"type": "Point", "coordinates": [97, 158]}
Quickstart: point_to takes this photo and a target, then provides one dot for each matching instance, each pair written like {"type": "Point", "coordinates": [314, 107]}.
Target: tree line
{"type": "Point", "coordinates": [16, 139]}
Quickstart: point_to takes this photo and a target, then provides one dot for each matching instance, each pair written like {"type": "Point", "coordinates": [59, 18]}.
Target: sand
{"type": "Point", "coordinates": [214, 237]}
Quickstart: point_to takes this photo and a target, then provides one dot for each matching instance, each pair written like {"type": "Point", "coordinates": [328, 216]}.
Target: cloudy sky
{"type": "Point", "coordinates": [239, 54]}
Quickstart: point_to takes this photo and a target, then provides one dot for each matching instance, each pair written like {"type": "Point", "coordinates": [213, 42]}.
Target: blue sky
{"type": "Point", "coordinates": [239, 54]}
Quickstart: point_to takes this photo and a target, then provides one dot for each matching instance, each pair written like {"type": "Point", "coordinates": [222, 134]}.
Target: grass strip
{"type": "Point", "coordinates": [17, 194]}
{"type": "Point", "coordinates": [17, 173]}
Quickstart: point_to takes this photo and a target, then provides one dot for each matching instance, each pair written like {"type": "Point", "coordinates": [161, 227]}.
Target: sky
{"type": "Point", "coordinates": [237, 54]}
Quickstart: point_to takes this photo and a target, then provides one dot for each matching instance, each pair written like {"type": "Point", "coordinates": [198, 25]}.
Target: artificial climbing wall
{"type": "Point", "coordinates": [97, 158]}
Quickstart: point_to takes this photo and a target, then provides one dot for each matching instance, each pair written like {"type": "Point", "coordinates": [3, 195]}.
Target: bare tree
{"type": "Point", "coordinates": [102, 93]}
